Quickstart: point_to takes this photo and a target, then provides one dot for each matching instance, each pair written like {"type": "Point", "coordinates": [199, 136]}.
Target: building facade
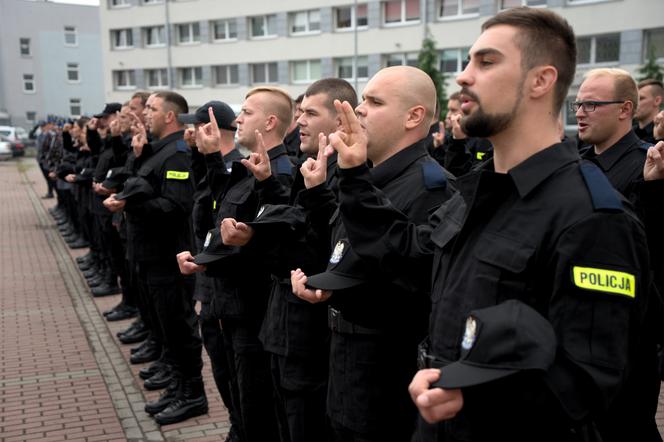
{"type": "Point", "coordinates": [211, 49]}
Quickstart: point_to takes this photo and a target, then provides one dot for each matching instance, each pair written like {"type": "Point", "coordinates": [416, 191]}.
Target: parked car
{"type": "Point", "coordinates": [5, 149]}
{"type": "Point", "coordinates": [17, 136]}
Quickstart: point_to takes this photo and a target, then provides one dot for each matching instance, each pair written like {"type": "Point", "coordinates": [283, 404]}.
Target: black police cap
{"type": "Point", "coordinates": [115, 177]}
{"type": "Point", "coordinates": [345, 270]}
{"type": "Point", "coordinates": [213, 248]}
{"type": "Point", "coordinates": [499, 341]}
{"type": "Point", "coordinates": [136, 188]}
{"type": "Point", "coordinates": [109, 109]}
{"type": "Point", "coordinates": [222, 113]}
{"type": "Point", "coordinates": [278, 216]}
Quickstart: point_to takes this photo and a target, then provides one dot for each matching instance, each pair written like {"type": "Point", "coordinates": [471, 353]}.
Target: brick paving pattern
{"type": "Point", "coordinates": [63, 374]}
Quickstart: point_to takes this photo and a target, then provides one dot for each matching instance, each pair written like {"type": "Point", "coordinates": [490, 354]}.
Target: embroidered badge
{"type": "Point", "coordinates": [109, 173]}
{"type": "Point", "coordinates": [260, 212]}
{"type": "Point", "coordinates": [338, 253]}
{"type": "Point", "coordinates": [208, 237]}
{"type": "Point", "coordinates": [469, 334]}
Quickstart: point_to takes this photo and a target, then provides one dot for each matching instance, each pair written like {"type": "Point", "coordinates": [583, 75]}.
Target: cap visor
{"type": "Point", "coordinates": [460, 374]}
{"type": "Point", "coordinates": [188, 119]}
{"type": "Point", "coordinates": [333, 281]}
{"type": "Point", "coordinates": [101, 115]}
{"type": "Point", "coordinates": [206, 258]}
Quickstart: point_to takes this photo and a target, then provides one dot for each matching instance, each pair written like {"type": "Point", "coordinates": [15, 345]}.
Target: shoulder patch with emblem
{"type": "Point", "coordinates": [602, 193]}
{"type": "Point", "coordinates": [604, 280]}
{"type": "Point", "coordinates": [434, 175]}
{"type": "Point", "coordinates": [181, 146]}
{"type": "Point", "coordinates": [176, 175]}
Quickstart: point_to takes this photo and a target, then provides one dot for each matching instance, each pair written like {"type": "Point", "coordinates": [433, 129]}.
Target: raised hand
{"type": "Point", "coordinates": [434, 404]}
{"type": "Point", "coordinates": [234, 233]}
{"type": "Point", "coordinates": [439, 137]}
{"type": "Point", "coordinates": [653, 169]}
{"type": "Point", "coordinates": [457, 132]}
{"type": "Point", "coordinates": [115, 126]}
{"type": "Point", "coordinates": [190, 136]}
{"type": "Point", "coordinates": [258, 162]}
{"type": "Point", "coordinates": [351, 141]}
{"type": "Point", "coordinates": [299, 281]}
{"type": "Point", "coordinates": [208, 136]}
{"type": "Point", "coordinates": [315, 171]}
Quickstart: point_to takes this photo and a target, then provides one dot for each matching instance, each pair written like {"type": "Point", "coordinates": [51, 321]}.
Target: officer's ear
{"type": "Point", "coordinates": [626, 110]}
{"type": "Point", "coordinates": [415, 116]}
{"type": "Point", "coordinates": [271, 123]}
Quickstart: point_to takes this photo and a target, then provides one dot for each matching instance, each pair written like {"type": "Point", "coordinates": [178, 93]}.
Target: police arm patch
{"type": "Point", "coordinates": [604, 280]}
{"type": "Point", "coordinates": [176, 175]}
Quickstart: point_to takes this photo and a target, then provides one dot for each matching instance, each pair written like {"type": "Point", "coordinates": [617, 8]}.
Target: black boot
{"type": "Point", "coordinates": [161, 379]}
{"type": "Point", "coordinates": [146, 373]}
{"type": "Point", "coordinates": [149, 353]}
{"type": "Point", "coordinates": [124, 312]}
{"type": "Point", "coordinates": [191, 402]}
{"type": "Point", "coordinates": [167, 396]}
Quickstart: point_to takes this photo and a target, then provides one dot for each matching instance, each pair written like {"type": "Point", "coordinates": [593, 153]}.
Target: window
{"type": "Point", "coordinates": [263, 26]}
{"type": "Point", "coordinates": [345, 68]}
{"type": "Point", "coordinates": [31, 115]}
{"type": "Point", "coordinates": [71, 36]}
{"type": "Point", "coordinates": [154, 36]}
{"type": "Point", "coordinates": [453, 61]}
{"type": "Point", "coordinates": [505, 4]}
{"type": "Point", "coordinates": [152, 2]}
{"type": "Point", "coordinates": [654, 39]}
{"type": "Point", "coordinates": [73, 75]}
{"type": "Point", "coordinates": [189, 33]}
{"type": "Point", "coordinates": [75, 107]}
{"type": "Point", "coordinates": [305, 71]}
{"type": "Point", "coordinates": [122, 39]}
{"type": "Point", "coordinates": [570, 116]}
{"type": "Point", "coordinates": [29, 83]}
{"type": "Point", "coordinates": [124, 80]}
{"type": "Point", "coordinates": [119, 3]}
{"type": "Point", "coordinates": [264, 73]}
{"type": "Point", "coordinates": [409, 59]}
{"type": "Point", "coordinates": [156, 78]}
{"type": "Point", "coordinates": [304, 22]}
{"type": "Point", "coordinates": [224, 30]}
{"type": "Point", "coordinates": [24, 46]}
{"type": "Point", "coordinates": [401, 11]}
{"type": "Point", "coordinates": [598, 49]}
{"type": "Point", "coordinates": [346, 17]}
{"type": "Point", "coordinates": [191, 77]}
{"type": "Point", "coordinates": [226, 75]}
{"type": "Point", "coordinates": [452, 8]}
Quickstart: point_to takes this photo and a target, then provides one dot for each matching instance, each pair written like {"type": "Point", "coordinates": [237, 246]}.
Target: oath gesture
{"type": "Point", "coordinates": [258, 162]}
{"type": "Point", "coordinates": [351, 141]}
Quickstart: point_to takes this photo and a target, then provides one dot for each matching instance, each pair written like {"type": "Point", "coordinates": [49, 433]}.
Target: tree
{"type": "Point", "coordinates": [651, 69]}
{"type": "Point", "coordinates": [427, 60]}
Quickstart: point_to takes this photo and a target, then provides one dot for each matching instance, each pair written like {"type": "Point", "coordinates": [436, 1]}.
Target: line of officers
{"type": "Point", "coordinates": [318, 274]}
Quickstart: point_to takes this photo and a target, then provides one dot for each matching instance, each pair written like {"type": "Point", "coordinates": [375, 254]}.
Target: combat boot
{"type": "Point", "coordinates": [191, 402]}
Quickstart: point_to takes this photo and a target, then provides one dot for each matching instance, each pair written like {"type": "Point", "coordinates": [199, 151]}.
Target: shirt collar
{"type": "Point", "coordinates": [157, 145]}
{"type": "Point", "coordinates": [397, 163]}
{"type": "Point", "coordinates": [276, 151]}
{"type": "Point", "coordinates": [607, 159]}
{"type": "Point", "coordinates": [536, 169]}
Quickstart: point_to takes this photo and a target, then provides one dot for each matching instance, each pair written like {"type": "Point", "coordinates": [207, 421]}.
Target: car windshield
{"type": "Point", "coordinates": [5, 133]}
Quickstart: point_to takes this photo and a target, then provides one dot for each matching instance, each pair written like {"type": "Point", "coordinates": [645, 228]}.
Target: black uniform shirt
{"type": "Point", "coordinates": [645, 133]}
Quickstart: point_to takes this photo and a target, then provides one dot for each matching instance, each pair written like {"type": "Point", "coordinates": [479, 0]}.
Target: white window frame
{"type": "Point", "coordinates": [162, 75]}
{"type": "Point", "coordinates": [190, 33]}
{"type": "Point", "coordinates": [154, 30]}
{"type": "Point", "coordinates": [75, 102]}
{"type": "Point", "coordinates": [71, 31]}
{"type": "Point", "coordinates": [461, 58]}
{"type": "Point", "coordinates": [353, 18]}
{"type": "Point", "coordinates": [118, 4]}
{"type": "Point", "coordinates": [584, 2]}
{"type": "Point", "coordinates": [71, 68]}
{"type": "Point", "coordinates": [226, 23]}
{"type": "Point", "coordinates": [228, 68]}
{"type": "Point", "coordinates": [193, 70]}
{"type": "Point", "coordinates": [27, 42]}
{"type": "Point", "coordinates": [404, 21]}
{"type": "Point", "coordinates": [269, 33]}
{"type": "Point", "coordinates": [459, 14]}
{"type": "Point", "coordinates": [126, 37]}
{"type": "Point", "coordinates": [266, 72]}
{"type": "Point", "coordinates": [404, 56]}
{"type": "Point", "coordinates": [308, 67]}
{"type": "Point", "coordinates": [502, 7]}
{"type": "Point", "coordinates": [593, 51]}
{"type": "Point", "coordinates": [292, 16]}
{"type": "Point", "coordinates": [362, 62]}
{"type": "Point", "coordinates": [29, 114]}
{"type": "Point", "coordinates": [151, 2]}
{"type": "Point", "coordinates": [31, 81]}
{"type": "Point", "coordinates": [647, 41]}
{"type": "Point", "coordinates": [128, 75]}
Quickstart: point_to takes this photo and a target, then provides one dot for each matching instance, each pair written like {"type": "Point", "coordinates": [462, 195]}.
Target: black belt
{"type": "Point", "coordinates": [338, 324]}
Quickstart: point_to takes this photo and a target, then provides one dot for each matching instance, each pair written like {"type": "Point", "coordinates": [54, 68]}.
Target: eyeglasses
{"type": "Point", "coordinates": [590, 106]}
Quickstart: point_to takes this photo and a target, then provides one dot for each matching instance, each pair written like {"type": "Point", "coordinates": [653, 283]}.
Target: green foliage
{"type": "Point", "coordinates": [651, 69]}
{"type": "Point", "coordinates": [427, 60]}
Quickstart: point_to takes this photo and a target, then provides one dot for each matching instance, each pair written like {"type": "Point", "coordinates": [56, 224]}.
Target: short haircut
{"type": "Point", "coordinates": [299, 99]}
{"type": "Point", "coordinates": [657, 87]}
{"type": "Point", "coordinates": [173, 102]}
{"type": "Point", "coordinates": [280, 105]}
{"type": "Point", "coordinates": [142, 95]}
{"type": "Point", "coordinates": [455, 96]}
{"type": "Point", "coordinates": [82, 121]}
{"type": "Point", "coordinates": [335, 89]}
{"type": "Point", "coordinates": [624, 86]}
{"type": "Point", "coordinates": [545, 38]}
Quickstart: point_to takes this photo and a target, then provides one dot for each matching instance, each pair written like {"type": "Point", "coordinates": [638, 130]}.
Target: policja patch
{"type": "Point", "coordinates": [603, 280]}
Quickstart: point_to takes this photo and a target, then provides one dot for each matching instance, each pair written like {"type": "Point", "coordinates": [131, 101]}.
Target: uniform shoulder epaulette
{"type": "Point", "coordinates": [284, 166]}
{"type": "Point", "coordinates": [181, 146]}
{"type": "Point", "coordinates": [645, 145]}
{"type": "Point", "coordinates": [602, 193]}
{"type": "Point", "coordinates": [434, 175]}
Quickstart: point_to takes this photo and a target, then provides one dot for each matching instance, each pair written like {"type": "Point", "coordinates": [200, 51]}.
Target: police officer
{"type": "Point", "coordinates": [529, 225]}
{"type": "Point", "coordinates": [651, 96]}
{"type": "Point", "coordinates": [377, 318]}
{"type": "Point", "coordinates": [157, 229]}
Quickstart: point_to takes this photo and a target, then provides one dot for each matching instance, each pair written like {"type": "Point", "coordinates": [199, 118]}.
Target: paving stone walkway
{"type": "Point", "coordinates": [63, 374]}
